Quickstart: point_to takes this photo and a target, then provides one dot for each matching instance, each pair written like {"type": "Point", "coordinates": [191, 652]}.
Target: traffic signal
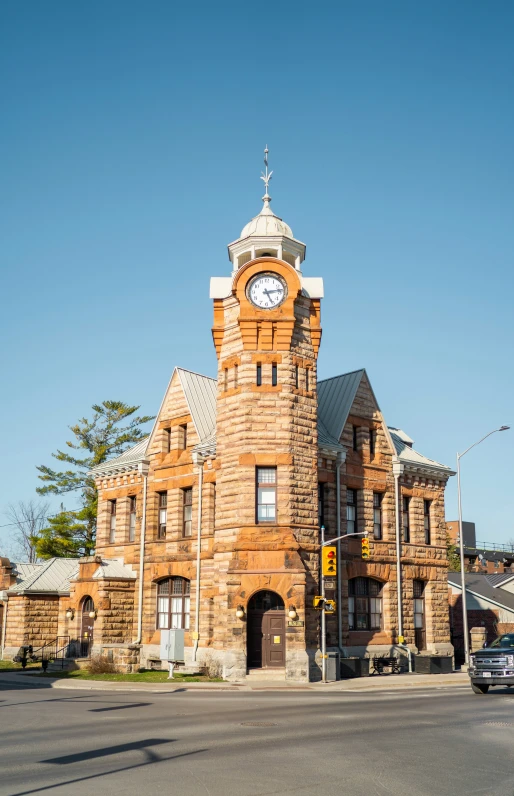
{"type": "Point", "coordinates": [330, 606]}
{"type": "Point", "coordinates": [364, 547]}
{"type": "Point", "coordinates": [318, 602]}
{"type": "Point", "coordinates": [329, 561]}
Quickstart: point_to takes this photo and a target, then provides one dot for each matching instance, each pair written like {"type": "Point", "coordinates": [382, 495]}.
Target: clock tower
{"type": "Point", "coordinates": [266, 539]}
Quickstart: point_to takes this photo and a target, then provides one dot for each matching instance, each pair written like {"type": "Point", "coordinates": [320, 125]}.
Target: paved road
{"type": "Point", "coordinates": [436, 742]}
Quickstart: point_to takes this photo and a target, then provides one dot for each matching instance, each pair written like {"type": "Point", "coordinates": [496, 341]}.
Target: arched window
{"type": "Point", "coordinates": [173, 603]}
{"type": "Point", "coordinates": [364, 604]}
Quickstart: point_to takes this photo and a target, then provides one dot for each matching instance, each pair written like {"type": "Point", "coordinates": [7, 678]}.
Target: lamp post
{"type": "Point", "coordinates": [461, 544]}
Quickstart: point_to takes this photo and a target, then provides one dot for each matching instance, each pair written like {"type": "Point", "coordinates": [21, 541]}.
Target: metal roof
{"type": "Point", "coordinates": [335, 399]}
{"type": "Point", "coordinates": [498, 579]}
{"type": "Point", "coordinates": [126, 460]}
{"type": "Point", "coordinates": [200, 393]}
{"type": "Point", "coordinates": [411, 457]}
{"type": "Point", "coordinates": [477, 583]}
{"type": "Point", "coordinates": [326, 440]}
{"type": "Point", "coordinates": [52, 576]}
{"type": "Point", "coordinates": [23, 571]}
{"type": "Point", "coordinates": [114, 568]}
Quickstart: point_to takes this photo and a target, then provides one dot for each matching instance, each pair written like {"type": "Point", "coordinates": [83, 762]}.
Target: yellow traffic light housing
{"type": "Point", "coordinates": [318, 602]}
{"type": "Point", "coordinates": [329, 561]}
{"type": "Point", "coordinates": [330, 606]}
{"type": "Point", "coordinates": [365, 547]}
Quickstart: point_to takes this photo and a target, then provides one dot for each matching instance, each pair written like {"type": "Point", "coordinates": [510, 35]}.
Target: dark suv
{"type": "Point", "coordinates": [494, 665]}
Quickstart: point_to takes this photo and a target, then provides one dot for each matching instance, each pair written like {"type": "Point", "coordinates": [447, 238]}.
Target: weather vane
{"type": "Point", "coordinates": [266, 176]}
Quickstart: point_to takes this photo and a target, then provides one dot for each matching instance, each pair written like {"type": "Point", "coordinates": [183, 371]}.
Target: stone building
{"type": "Point", "coordinates": [212, 523]}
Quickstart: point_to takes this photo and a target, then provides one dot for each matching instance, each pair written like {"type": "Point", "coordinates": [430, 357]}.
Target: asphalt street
{"type": "Point", "coordinates": [417, 742]}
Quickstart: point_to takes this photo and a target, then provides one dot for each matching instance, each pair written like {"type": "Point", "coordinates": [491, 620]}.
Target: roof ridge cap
{"type": "Point", "coordinates": [340, 376]}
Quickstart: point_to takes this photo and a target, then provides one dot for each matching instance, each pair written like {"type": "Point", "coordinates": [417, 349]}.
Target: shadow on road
{"type": "Point", "coordinates": [121, 707]}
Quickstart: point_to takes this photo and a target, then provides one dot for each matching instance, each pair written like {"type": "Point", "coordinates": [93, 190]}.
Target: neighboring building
{"type": "Point", "coordinates": [490, 604]}
{"type": "Point", "coordinates": [491, 557]}
{"type": "Point", "coordinates": [253, 462]}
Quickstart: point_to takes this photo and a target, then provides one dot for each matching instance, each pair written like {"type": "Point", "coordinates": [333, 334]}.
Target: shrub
{"type": "Point", "coordinates": [212, 666]}
{"type": "Point", "coordinates": [100, 664]}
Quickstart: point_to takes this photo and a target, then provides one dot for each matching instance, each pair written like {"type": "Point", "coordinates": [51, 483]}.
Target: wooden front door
{"type": "Point", "coordinates": [266, 631]}
{"type": "Point", "coordinates": [419, 615]}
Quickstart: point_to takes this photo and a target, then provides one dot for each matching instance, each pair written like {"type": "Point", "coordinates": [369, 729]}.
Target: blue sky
{"type": "Point", "coordinates": [132, 138]}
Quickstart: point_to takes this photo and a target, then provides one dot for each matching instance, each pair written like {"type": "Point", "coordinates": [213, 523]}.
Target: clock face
{"type": "Point", "coordinates": [267, 291]}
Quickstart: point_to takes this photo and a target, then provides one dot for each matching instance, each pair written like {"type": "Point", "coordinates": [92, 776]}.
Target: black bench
{"type": "Point", "coordinates": [383, 662]}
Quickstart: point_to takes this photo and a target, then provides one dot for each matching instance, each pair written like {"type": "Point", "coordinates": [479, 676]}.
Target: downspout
{"type": "Point", "coordinates": [398, 469]}
{"type": "Point", "coordinates": [198, 460]}
{"type": "Point", "coordinates": [5, 600]}
{"type": "Point", "coordinates": [143, 468]}
{"type": "Point", "coordinates": [341, 457]}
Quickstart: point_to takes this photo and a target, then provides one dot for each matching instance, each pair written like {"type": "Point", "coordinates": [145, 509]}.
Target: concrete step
{"type": "Point", "coordinates": [255, 675]}
{"type": "Point", "coordinates": [69, 664]}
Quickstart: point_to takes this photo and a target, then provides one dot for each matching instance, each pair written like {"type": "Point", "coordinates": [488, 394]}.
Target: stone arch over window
{"type": "Point", "coordinates": [365, 609]}
{"type": "Point", "coordinates": [173, 603]}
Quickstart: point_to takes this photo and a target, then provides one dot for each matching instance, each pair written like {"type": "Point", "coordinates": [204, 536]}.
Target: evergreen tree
{"type": "Point", "coordinates": [453, 555]}
{"type": "Point", "coordinates": [111, 431]}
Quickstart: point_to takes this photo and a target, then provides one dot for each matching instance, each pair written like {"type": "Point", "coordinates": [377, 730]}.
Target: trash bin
{"type": "Point", "coordinates": [333, 666]}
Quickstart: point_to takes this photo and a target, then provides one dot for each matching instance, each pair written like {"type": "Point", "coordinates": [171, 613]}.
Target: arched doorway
{"type": "Point", "coordinates": [87, 624]}
{"type": "Point", "coordinates": [266, 631]}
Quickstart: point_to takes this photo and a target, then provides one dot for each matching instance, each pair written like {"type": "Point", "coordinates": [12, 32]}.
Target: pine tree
{"type": "Point", "coordinates": [73, 533]}
{"type": "Point", "coordinates": [453, 555]}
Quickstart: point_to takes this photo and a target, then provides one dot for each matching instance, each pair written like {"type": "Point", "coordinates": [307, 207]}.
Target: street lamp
{"type": "Point", "coordinates": [461, 544]}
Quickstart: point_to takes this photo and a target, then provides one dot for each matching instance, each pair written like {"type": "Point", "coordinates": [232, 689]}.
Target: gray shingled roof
{"type": "Point", "coordinates": [22, 571]}
{"type": "Point", "coordinates": [335, 399]}
{"type": "Point", "coordinates": [409, 456]}
{"type": "Point", "coordinates": [200, 392]}
{"type": "Point", "coordinates": [498, 579]}
{"type": "Point", "coordinates": [478, 584]}
{"type": "Point", "coordinates": [53, 576]}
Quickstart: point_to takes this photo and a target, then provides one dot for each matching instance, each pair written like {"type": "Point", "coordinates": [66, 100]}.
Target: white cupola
{"type": "Point", "coordinates": [266, 235]}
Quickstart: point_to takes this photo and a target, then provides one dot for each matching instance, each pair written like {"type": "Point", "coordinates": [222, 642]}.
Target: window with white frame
{"type": "Point", "coordinates": [351, 511]}
{"type": "Point", "coordinates": [132, 518]}
{"type": "Point", "coordinates": [163, 515]}
{"type": "Point", "coordinates": [364, 604]}
{"type": "Point", "coordinates": [377, 515]}
{"type": "Point", "coordinates": [266, 494]}
{"type": "Point", "coordinates": [112, 521]}
{"type": "Point", "coordinates": [406, 518]}
{"type": "Point", "coordinates": [173, 603]}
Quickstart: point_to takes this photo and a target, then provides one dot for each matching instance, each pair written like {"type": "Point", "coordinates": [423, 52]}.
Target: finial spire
{"type": "Point", "coordinates": [266, 177]}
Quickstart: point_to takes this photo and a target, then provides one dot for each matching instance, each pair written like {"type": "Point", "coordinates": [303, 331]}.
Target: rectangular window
{"type": "Point", "coordinates": [274, 375]}
{"type": "Point", "coordinates": [351, 511]}
{"type": "Point", "coordinates": [182, 437]}
{"type": "Point", "coordinates": [258, 375]}
{"type": "Point", "coordinates": [426, 520]}
{"type": "Point", "coordinates": [296, 376]}
{"type": "Point", "coordinates": [372, 441]}
{"type": "Point", "coordinates": [236, 376]}
{"type": "Point", "coordinates": [406, 518]}
{"type": "Point", "coordinates": [266, 494]}
{"type": "Point", "coordinates": [163, 515]}
{"type": "Point", "coordinates": [167, 440]}
{"type": "Point", "coordinates": [364, 604]}
{"type": "Point", "coordinates": [112, 521]}
{"type": "Point", "coordinates": [132, 518]}
{"type": "Point", "coordinates": [377, 515]}
{"type": "Point", "coordinates": [307, 379]}
{"type": "Point", "coordinates": [187, 516]}
{"type": "Point", "coordinates": [226, 379]}
{"type": "Point", "coordinates": [354, 438]}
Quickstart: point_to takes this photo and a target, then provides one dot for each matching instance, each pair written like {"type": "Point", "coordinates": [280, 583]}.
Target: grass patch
{"type": "Point", "coordinates": [137, 677]}
{"type": "Point", "coordinates": [10, 666]}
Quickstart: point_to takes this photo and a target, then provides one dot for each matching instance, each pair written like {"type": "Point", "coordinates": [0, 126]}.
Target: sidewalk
{"type": "Point", "coordinates": [362, 684]}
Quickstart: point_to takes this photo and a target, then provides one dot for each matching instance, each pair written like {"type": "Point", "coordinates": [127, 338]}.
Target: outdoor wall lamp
{"type": "Point", "coordinates": [70, 613]}
{"type": "Point", "coordinates": [92, 614]}
{"type": "Point", "coordinates": [292, 613]}
{"type": "Point", "coordinates": [240, 612]}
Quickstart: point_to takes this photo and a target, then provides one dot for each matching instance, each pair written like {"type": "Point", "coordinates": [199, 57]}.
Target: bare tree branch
{"type": "Point", "coordinates": [28, 518]}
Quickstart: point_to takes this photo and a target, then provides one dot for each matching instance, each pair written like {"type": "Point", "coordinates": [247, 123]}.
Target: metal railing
{"type": "Point", "coordinates": [55, 650]}
{"type": "Point", "coordinates": [491, 546]}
